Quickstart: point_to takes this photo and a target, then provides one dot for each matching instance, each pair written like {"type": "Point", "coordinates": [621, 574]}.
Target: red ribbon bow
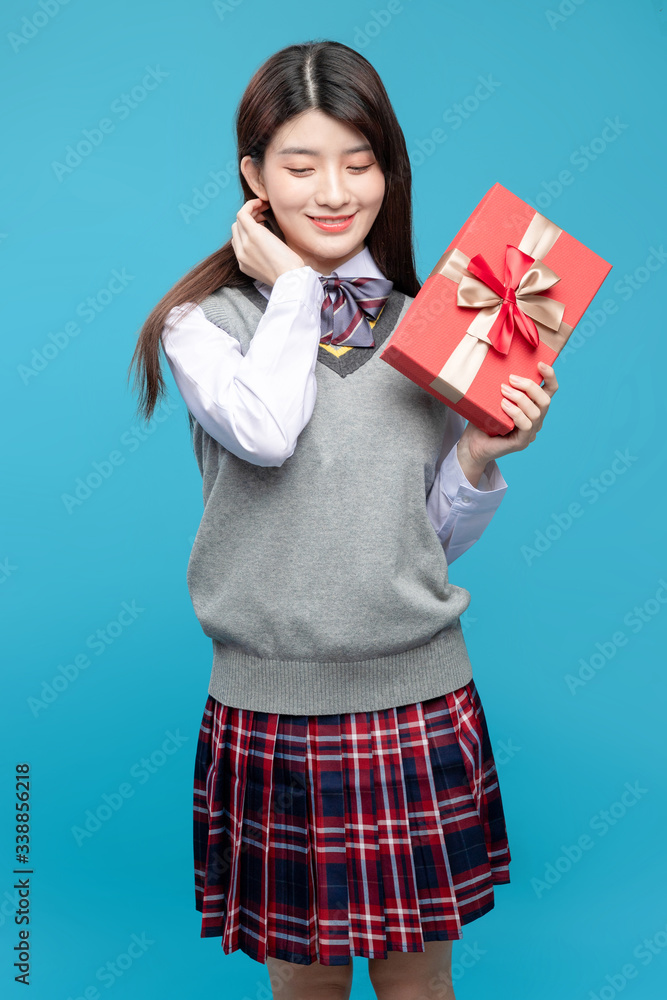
{"type": "Point", "coordinates": [511, 317]}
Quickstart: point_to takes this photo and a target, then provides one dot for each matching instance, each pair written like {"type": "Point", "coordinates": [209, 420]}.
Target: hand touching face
{"type": "Point", "coordinates": [315, 168]}
{"type": "Point", "coordinates": [260, 253]}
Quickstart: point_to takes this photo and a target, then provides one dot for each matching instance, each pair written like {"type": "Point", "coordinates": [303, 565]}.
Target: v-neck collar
{"type": "Point", "coordinates": [353, 359]}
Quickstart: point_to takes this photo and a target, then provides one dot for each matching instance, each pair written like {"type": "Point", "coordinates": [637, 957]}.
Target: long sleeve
{"type": "Point", "coordinates": [256, 404]}
{"type": "Point", "coordinates": [459, 511]}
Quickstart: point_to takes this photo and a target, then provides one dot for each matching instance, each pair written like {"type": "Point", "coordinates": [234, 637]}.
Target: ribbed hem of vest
{"type": "Point", "coordinates": [320, 687]}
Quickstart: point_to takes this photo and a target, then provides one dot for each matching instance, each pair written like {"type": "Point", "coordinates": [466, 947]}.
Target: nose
{"type": "Point", "coordinates": [332, 192]}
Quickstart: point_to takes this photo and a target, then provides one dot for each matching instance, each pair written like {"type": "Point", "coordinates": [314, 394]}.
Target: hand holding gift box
{"type": "Point", "coordinates": [506, 294]}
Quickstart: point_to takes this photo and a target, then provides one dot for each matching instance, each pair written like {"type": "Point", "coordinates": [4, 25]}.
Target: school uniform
{"type": "Point", "coordinates": [346, 800]}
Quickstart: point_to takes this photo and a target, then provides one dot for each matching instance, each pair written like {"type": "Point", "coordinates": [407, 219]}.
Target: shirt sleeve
{"type": "Point", "coordinates": [256, 404]}
{"type": "Point", "coordinates": [459, 511]}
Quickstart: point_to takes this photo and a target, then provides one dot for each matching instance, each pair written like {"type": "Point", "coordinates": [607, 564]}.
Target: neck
{"type": "Point", "coordinates": [325, 265]}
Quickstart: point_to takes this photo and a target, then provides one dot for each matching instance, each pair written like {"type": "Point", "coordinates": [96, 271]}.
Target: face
{"type": "Point", "coordinates": [315, 166]}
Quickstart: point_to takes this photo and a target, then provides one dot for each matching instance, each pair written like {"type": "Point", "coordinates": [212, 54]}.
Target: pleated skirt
{"type": "Point", "coordinates": [318, 838]}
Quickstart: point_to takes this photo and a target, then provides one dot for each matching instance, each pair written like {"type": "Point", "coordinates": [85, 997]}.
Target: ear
{"type": "Point", "coordinates": [253, 176]}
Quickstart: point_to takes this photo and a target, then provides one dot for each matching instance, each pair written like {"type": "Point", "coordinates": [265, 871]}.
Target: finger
{"type": "Point", "coordinates": [237, 240]}
{"type": "Point", "coordinates": [253, 205]}
{"type": "Point", "coordinates": [550, 383]}
{"type": "Point", "coordinates": [532, 389]}
{"type": "Point", "coordinates": [243, 212]}
{"type": "Point", "coordinates": [246, 217]}
{"type": "Point", "coordinates": [240, 233]}
{"type": "Point", "coordinates": [526, 404]}
{"type": "Point", "coordinates": [521, 420]}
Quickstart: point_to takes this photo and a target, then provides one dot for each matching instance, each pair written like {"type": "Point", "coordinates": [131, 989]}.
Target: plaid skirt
{"type": "Point", "coordinates": [321, 837]}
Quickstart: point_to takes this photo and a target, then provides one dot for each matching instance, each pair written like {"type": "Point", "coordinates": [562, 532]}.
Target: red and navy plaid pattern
{"type": "Point", "coordinates": [329, 836]}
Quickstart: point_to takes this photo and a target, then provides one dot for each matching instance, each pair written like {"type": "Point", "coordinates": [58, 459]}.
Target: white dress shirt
{"type": "Point", "coordinates": [256, 405]}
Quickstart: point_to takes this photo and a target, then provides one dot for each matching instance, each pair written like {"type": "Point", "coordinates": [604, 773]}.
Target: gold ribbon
{"type": "Point", "coordinates": [515, 301]}
{"type": "Point", "coordinates": [457, 374]}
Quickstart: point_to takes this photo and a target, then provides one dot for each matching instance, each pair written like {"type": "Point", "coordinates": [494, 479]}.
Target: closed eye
{"type": "Point", "coordinates": [304, 170]}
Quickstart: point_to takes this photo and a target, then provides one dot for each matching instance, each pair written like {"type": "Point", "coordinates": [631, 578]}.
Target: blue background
{"type": "Point", "coordinates": [560, 73]}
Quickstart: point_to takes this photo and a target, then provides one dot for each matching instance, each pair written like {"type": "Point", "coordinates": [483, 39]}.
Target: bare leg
{"type": "Point", "coordinates": [290, 981]}
{"type": "Point", "coordinates": [414, 975]}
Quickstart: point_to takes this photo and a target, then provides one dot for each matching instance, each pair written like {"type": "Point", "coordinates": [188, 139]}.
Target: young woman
{"type": "Point", "coordinates": [346, 800]}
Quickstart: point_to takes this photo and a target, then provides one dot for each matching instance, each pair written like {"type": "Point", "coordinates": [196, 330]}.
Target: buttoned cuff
{"type": "Point", "coordinates": [461, 493]}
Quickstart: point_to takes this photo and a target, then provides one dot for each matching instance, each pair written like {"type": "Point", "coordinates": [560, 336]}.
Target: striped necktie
{"type": "Point", "coordinates": [348, 305]}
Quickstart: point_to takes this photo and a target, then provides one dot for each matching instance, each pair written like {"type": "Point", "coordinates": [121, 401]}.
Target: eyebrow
{"type": "Point", "coordinates": [291, 150]}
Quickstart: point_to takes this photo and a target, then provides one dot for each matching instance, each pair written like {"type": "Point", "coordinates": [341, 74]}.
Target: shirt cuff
{"type": "Point", "coordinates": [459, 490]}
{"type": "Point", "coordinates": [299, 284]}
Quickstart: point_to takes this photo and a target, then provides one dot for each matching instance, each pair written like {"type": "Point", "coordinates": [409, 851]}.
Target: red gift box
{"type": "Point", "coordinates": [507, 293]}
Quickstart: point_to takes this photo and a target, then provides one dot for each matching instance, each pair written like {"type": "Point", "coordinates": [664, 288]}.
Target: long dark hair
{"type": "Point", "coordinates": [333, 78]}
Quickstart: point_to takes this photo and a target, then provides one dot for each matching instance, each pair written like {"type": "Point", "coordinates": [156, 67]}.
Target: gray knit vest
{"type": "Point", "coordinates": [321, 582]}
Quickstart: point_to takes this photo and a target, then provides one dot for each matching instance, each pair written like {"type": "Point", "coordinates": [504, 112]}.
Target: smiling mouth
{"type": "Point", "coordinates": [332, 221]}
